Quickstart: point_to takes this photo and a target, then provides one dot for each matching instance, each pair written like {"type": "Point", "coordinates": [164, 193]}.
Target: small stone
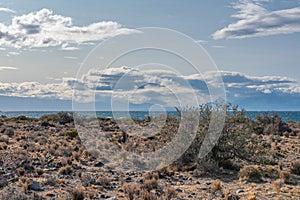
{"type": "Point", "coordinates": [99, 164]}
{"type": "Point", "coordinates": [35, 186]}
{"type": "Point", "coordinates": [128, 180]}
{"type": "Point", "coordinates": [179, 190]}
{"type": "Point", "coordinates": [9, 132]}
{"type": "Point", "coordinates": [240, 191]}
{"type": "Point", "coordinates": [3, 182]}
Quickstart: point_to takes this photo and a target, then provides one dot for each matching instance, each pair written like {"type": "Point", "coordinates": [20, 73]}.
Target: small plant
{"type": "Point", "coordinates": [215, 186]}
{"type": "Point", "coordinates": [78, 193]}
{"type": "Point", "coordinates": [150, 184]}
{"type": "Point", "coordinates": [250, 173]}
{"type": "Point", "coordinates": [131, 190]}
{"type": "Point", "coordinates": [169, 193]}
{"type": "Point", "coordinates": [71, 134]}
{"type": "Point", "coordinates": [285, 176]}
{"type": "Point", "coordinates": [146, 195]}
{"type": "Point", "coordinates": [39, 171]}
{"type": "Point", "coordinates": [277, 185]}
{"type": "Point", "coordinates": [65, 170]}
{"type": "Point", "coordinates": [295, 167]}
{"type": "Point", "coordinates": [21, 171]}
{"type": "Point", "coordinates": [104, 181]}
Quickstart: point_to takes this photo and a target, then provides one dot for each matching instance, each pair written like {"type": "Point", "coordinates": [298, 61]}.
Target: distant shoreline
{"type": "Point", "coordinates": [285, 115]}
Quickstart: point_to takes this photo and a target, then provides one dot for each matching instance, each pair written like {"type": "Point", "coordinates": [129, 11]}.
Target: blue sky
{"type": "Point", "coordinates": [256, 38]}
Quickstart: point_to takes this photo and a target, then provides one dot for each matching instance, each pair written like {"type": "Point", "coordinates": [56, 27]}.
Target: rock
{"type": "Point", "coordinates": [240, 191]}
{"type": "Point", "coordinates": [112, 198]}
{"type": "Point", "coordinates": [34, 185]}
{"type": "Point", "coordinates": [3, 182]}
{"type": "Point", "coordinates": [9, 132]}
{"type": "Point", "coordinates": [266, 145]}
{"type": "Point", "coordinates": [179, 190]}
{"type": "Point", "coordinates": [128, 180]}
{"type": "Point", "coordinates": [99, 164]}
{"type": "Point", "coordinates": [46, 124]}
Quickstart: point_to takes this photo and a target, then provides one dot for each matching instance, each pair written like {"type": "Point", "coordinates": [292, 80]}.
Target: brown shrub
{"type": "Point", "coordinates": [295, 167]}
{"type": "Point", "coordinates": [169, 193]}
{"type": "Point", "coordinates": [131, 190]}
{"type": "Point", "coordinates": [78, 193]}
{"type": "Point", "coordinates": [146, 195]}
{"type": "Point", "coordinates": [285, 176]}
{"type": "Point", "coordinates": [277, 185]}
{"type": "Point", "coordinates": [250, 173]}
{"type": "Point", "coordinates": [21, 171]}
{"type": "Point", "coordinates": [215, 186]}
{"type": "Point", "coordinates": [104, 181]}
{"type": "Point", "coordinates": [65, 170]}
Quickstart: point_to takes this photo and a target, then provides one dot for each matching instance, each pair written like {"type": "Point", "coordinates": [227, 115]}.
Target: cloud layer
{"type": "Point", "coordinates": [45, 29]}
{"type": "Point", "coordinates": [157, 87]}
{"type": "Point", "coordinates": [255, 20]}
{"type": "Point", "coordinates": [7, 68]}
{"type": "Point", "coordinates": [7, 10]}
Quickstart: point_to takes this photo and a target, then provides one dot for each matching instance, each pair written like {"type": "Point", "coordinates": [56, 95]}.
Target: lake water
{"type": "Point", "coordinates": [285, 115]}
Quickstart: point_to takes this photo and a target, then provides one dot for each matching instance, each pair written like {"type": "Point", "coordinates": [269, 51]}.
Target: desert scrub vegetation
{"type": "Point", "coordinates": [270, 123]}
{"type": "Point", "coordinates": [237, 144]}
{"type": "Point", "coordinates": [295, 167]}
{"type": "Point", "coordinates": [61, 118]}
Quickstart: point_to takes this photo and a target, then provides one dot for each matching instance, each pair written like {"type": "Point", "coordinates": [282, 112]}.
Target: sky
{"type": "Point", "coordinates": [254, 43]}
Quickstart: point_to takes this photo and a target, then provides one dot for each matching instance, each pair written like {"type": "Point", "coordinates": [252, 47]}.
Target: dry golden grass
{"type": "Point", "coordinates": [250, 173]}
{"type": "Point", "coordinates": [215, 186]}
{"type": "Point", "coordinates": [285, 176]}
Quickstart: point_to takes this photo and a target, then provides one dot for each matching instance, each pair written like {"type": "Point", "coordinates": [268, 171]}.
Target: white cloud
{"type": "Point", "coordinates": [7, 10]}
{"type": "Point", "coordinates": [218, 46]}
{"type": "Point", "coordinates": [155, 87]}
{"type": "Point", "coordinates": [45, 29]}
{"type": "Point", "coordinates": [201, 41]}
{"type": "Point", "coordinates": [71, 57]}
{"type": "Point", "coordinates": [255, 20]}
{"type": "Point", "coordinates": [7, 68]}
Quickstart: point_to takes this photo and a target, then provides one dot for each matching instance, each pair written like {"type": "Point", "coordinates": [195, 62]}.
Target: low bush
{"type": "Point", "coordinates": [295, 167]}
{"type": "Point", "coordinates": [250, 173]}
{"type": "Point", "coordinates": [71, 134]}
{"type": "Point", "coordinates": [235, 143]}
{"type": "Point", "coordinates": [61, 117]}
{"type": "Point", "coordinates": [285, 176]}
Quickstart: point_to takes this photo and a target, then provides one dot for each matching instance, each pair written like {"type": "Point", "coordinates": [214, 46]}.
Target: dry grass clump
{"type": "Point", "coordinates": [285, 176]}
{"type": "Point", "coordinates": [66, 170]}
{"type": "Point", "coordinates": [104, 181]}
{"type": "Point", "coordinates": [39, 171]}
{"type": "Point", "coordinates": [169, 193]}
{"type": "Point", "coordinates": [250, 173]}
{"type": "Point", "coordinates": [295, 167]}
{"type": "Point", "coordinates": [71, 134]}
{"type": "Point", "coordinates": [131, 190]}
{"type": "Point", "coordinates": [21, 171]}
{"type": "Point", "coordinates": [277, 185]}
{"type": "Point", "coordinates": [78, 193]}
{"type": "Point", "coordinates": [150, 184]}
{"type": "Point", "coordinates": [215, 186]}
{"type": "Point", "coordinates": [146, 195]}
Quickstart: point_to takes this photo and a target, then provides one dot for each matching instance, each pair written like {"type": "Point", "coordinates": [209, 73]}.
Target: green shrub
{"type": "Point", "coordinates": [235, 143]}
{"type": "Point", "coordinates": [71, 134]}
